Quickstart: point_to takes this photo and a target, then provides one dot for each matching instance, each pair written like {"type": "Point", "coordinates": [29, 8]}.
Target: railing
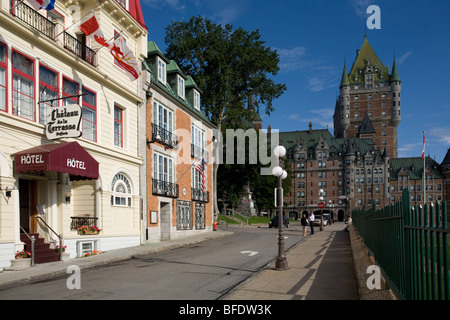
{"type": "Point", "coordinates": [164, 188]}
{"type": "Point", "coordinates": [163, 136]}
{"type": "Point", "coordinates": [199, 153]}
{"type": "Point", "coordinates": [33, 19]}
{"type": "Point", "coordinates": [80, 49]}
{"type": "Point", "coordinates": [199, 195]}
{"type": "Point", "coordinates": [33, 241]}
{"type": "Point", "coordinates": [78, 222]}
{"type": "Point", "coordinates": [60, 236]}
{"type": "Point", "coordinates": [410, 245]}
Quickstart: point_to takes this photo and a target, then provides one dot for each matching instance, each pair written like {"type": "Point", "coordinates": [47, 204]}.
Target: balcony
{"type": "Point", "coordinates": [78, 222]}
{"type": "Point", "coordinates": [199, 153]}
{"type": "Point", "coordinates": [199, 195]}
{"type": "Point", "coordinates": [80, 49]}
{"type": "Point", "coordinates": [164, 188]}
{"type": "Point", "coordinates": [33, 19]}
{"type": "Point", "coordinates": [164, 137]}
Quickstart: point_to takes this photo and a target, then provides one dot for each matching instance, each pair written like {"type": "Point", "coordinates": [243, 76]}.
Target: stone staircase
{"type": "Point", "coordinates": [42, 251]}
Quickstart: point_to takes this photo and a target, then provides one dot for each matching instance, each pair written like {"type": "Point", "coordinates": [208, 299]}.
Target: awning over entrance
{"type": "Point", "coordinates": [67, 157]}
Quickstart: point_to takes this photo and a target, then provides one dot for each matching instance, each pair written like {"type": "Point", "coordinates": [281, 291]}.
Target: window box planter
{"type": "Point", "coordinates": [85, 230]}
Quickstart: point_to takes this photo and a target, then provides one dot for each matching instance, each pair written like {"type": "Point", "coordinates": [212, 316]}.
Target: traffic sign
{"type": "Point", "coordinates": [321, 205]}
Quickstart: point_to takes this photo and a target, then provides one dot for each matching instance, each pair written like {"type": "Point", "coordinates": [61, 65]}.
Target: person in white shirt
{"type": "Point", "coordinates": [311, 222]}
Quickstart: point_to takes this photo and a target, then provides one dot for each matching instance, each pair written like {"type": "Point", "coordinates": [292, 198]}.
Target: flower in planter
{"type": "Point", "coordinates": [88, 230]}
{"type": "Point", "coordinates": [95, 252]}
{"type": "Point", "coordinates": [63, 249]}
{"type": "Point", "coordinates": [22, 254]}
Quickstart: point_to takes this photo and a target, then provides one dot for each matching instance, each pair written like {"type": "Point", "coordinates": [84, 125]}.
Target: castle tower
{"type": "Point", "coordinates": [370, 91]}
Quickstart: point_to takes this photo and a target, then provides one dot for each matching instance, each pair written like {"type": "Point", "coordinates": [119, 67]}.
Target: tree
{"type": "Point", "coordinates": [228, 65]}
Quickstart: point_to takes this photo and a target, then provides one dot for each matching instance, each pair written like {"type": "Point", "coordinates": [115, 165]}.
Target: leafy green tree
{"type": "Point", "coordinates": [228, 65]}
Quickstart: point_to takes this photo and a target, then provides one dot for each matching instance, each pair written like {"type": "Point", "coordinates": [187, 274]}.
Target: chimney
{"type": "Point", "coordinates": [310, 128]}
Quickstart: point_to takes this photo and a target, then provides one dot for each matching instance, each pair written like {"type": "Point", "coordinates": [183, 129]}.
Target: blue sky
{"type": "Point", "coordinates": [313, 37]}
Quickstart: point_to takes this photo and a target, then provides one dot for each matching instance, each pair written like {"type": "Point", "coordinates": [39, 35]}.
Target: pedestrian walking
{"type": "Point", "coordinates": [311, 222]}
{"type": "Point", "coordinates": [304, 222]}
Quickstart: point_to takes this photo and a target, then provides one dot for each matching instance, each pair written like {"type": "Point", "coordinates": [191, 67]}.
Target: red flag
{"type": "Point", "coordinates": [91, 29]}
{"type": "Point", "coordinates": [125, 58]}
{"type": "Point", "coordinates": [423, 147]}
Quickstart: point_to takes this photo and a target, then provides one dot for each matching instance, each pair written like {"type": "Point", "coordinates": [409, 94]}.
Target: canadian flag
{"type": "Point", "coordinates": [89, 26]}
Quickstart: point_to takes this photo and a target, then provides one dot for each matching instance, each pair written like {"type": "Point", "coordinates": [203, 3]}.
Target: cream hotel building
{"type": "Point", "coordinates": [52, 186]}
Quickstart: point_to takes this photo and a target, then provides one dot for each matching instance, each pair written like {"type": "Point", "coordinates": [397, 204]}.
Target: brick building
{"type": "Point", "coordinates": [358, 166]}
{"type": "Point", "coordinates": [179, 136]}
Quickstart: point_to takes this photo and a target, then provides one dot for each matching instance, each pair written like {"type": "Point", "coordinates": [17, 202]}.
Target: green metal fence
{"type": "Point", "coordinates": [410, 245]}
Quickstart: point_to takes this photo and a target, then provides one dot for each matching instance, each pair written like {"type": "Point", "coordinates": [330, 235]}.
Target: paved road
{"type": "Point", "coordinates": [203, 271]}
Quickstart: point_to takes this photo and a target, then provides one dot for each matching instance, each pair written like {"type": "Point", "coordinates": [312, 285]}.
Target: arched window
{"type": "Point", "coordinates": [121, 191]}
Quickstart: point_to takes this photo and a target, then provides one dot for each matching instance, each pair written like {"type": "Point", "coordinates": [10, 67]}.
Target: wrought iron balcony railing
{"type": "Point", "coordinates": [78, 222]}
{"type": "Point", "coordinates": [199, 195]}
{"type": "Point", "coordinates": [32, 18]}
{"type": "Point", "coordinates": [198, 153]}
{"type": "Point", "coordinates": [163, 136]}
{"type": "Point", "coordinates": [80, 49]}
{"type": "Point", "coordinates": [164, 188]}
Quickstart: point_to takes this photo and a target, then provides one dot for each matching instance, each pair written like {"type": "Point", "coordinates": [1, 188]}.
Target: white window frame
{"type": "Point", "coordinates": [198, 137]}
{"type": "Point", "coordinates": [163, 116]}
{"type": "Point", "coordinates": [124, 198]}
{"type": "Point", "coordinates": [162, 74]}
{"type": "Point", "coordinates": [196, 100]}
{"type": "Point", "coordinates": [181, 87]}
{"type": "Point", "coordinates": [163, 167]}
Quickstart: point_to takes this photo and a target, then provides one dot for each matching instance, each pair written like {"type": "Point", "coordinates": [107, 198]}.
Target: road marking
{"type": "Point", "coordinates": [250, 253]}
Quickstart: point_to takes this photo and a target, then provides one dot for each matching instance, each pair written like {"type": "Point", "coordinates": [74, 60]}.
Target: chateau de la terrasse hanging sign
{"type": "Point", "coordinates": [63, 122]}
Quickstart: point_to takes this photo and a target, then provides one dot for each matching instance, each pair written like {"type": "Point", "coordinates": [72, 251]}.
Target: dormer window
{"type": "Point", "coordinates": [181, 87]}
{"type": "Point", "coordinates": [197, 100]}
{"type": "Point", "coordinates": [161, 71]}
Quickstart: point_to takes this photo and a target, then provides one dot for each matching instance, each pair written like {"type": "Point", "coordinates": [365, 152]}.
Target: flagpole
{"type": "Point", "coordinates": [73, 24]}
{"type": "Point", "coordinates": [113, 38]}
{"type": "Point", "coordinates": [424, 176]}
{"type": "Point", "coordinates": [184, 172]}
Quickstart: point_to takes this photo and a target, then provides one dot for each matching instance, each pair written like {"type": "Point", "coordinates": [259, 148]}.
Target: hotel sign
{"type": "Point", "coordinates": [63, 122]}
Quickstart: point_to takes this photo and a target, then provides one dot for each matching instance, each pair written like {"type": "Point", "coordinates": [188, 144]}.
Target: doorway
{"type": "Point", "coordinates": [28, 202]}
{"type": "Point", "coordinates": [165, 220]}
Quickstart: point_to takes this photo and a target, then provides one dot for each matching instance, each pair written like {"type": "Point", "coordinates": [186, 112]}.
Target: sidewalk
{"type": "Point", "coordinates": [48, 271]}
{"type": "Point", "coordinates": [319, 267]}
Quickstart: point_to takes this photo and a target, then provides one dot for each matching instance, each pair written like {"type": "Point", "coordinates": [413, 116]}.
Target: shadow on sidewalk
{"type": "Point", "coordinates": [335, 278]}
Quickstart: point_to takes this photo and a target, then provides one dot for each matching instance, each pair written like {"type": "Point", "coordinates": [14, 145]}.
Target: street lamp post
{"type": "Point", "coordinates": [321, 210]}
{"type": "Point", "coordinates": [281, 261]}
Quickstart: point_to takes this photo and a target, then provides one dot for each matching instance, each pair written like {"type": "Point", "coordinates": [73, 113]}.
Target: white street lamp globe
{"type": "Point", "coordinates": [279, 151]}
{"type": "Point", "coordinates": [321, 198]}
{"type": "Point", "coordinates": [321, 191]}
{"type": "Point", "coordinates": [277, 171]}
{"type": "Point", "coordinates": [284, 174]}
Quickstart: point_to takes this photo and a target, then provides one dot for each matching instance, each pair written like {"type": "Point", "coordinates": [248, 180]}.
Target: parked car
{"type": "Point", "coordinates": [274, 222]}
{"type": "Point", "coordinates": [317, 219]}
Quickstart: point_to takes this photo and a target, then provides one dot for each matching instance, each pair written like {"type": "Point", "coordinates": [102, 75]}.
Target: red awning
{"type": "Point", "coordinates": [67, 157]}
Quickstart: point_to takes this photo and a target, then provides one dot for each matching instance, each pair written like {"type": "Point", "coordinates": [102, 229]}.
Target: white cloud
{"type": "Point", "coordinates": [291, 59]}
{"type": "Point", "coordinates": [360, 6]}
{"type": "Point", "coordinates": [404, 57]}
